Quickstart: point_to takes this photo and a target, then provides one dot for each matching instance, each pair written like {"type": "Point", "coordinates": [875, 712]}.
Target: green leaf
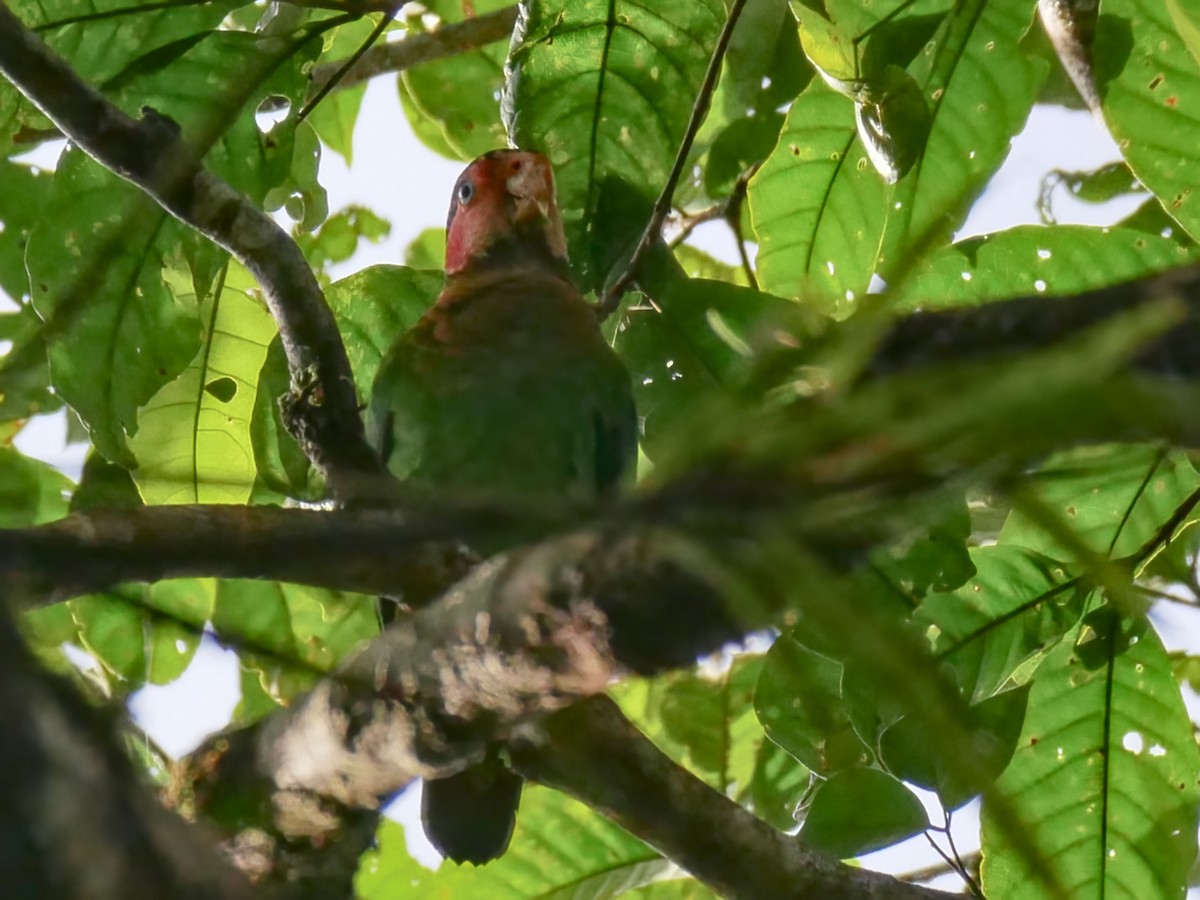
{"type": "Point", "coordinates": [1018, 604]}
{"type": "Point", "coordinates": [981, 86]}
{"type": "Point", "coordinates": [427, 250]}
{"type": "Point", "coordinates": [143, 633]}
{"type": "Point", "coordinates": [707, 723]}
{"type": "Point", "coordinates": [309, 628]}
{"type": "Point", "coordinates": [915, 755]}
{"type": "Point", "coordinates": [1187, 22]}
{"type": "Point", "coordinates": [607, 92]}
{"type": "Point", "coordinates": [816, 209]}
{"type": "Point", "coordinates": [560, 848]}
{"type": "Point", "coordinates": [24, 370]}
{"type": "Point", "coordinates": [281, 466]}
{"type": "Point", "coordinates": [193, 442]}
{"type": "Point", "coordinates": [698, 264]}
{"type": "Point", "coordinates": [457, 99]}
{"type": "Point", "coordinates": [669, 379]}
{"type": "Point", "coordinates": [101, 50]}
{"type": "Point", "coordinates": [820, 211]}
{"type": "Point", "coordinates": [1105, 776]}
{"type": "Point", "coordinates": [1114, 498]}
{"type": "Point", "coordinates": [374, 307]}
{"type": "Point", "coordinates": [339, 237]}
{"type": "Point", "coordinates": [1031, 259]}
{"type": "Point", "coordinates": [25, 192]}
{"type": "Point", "coordinates": [800, 703]}
{"type": "Point", "coordinates": [1150, 89]}
{"type": "Point", "coordinates": [31, 492]}
{"type": "Point", "coordinates": [860, 810]}
{"type": "Point", "coordinates": [116, 331]}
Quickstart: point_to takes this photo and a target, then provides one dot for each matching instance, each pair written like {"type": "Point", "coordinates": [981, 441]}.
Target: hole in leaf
{"type": "Point", "coordinates": [224, 389]}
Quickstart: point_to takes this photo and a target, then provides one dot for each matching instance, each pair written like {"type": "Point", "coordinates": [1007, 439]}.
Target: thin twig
{"type": "Point", "coordinates": [612, 297]}
{"type": "Point", "coordinates": [733, 216]}
{"type": "Point", "coordinates": [693, 221]}
{"type": "Point", "coordinates": [332, 82]}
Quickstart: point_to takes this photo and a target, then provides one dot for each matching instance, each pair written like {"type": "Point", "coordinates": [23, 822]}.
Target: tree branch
{"type": "Point", "coordinates": [323, 406]}
{"type": "Point", "coordinates": [77, 821]}
{"type": "Point", "coordinates": [592, 752]}
{"type": "Point", "coordinates": [372, 551]}
{"type": "Point", "coordinates": [447, 40]}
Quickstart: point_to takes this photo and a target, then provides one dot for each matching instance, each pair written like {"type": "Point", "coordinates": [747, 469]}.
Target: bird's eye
{"type": "Point", "coordinates": [466, 191]}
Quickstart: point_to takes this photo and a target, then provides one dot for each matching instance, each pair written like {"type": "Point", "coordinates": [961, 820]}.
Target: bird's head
{"type": "Point", "coordinates": [504, 206]}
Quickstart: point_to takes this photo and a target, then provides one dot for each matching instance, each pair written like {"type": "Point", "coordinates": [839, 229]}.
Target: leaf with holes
{"type": "Point", "coordinates": [193, 440]}
{"type": "Point", "coordinates": [1104, 777]}
{"type": "Point", "coordinates": [1150, 85]}
{"type": "Point", "coordinates": [1061, 259]}
{"type": "Point", "coordinates": [1017, 604]}
{"type": "Point", "coordinates": [824, 219]}
{"type": "Point", "coordinates": [1113, 498]}
{"type": "Point", "coordinates": [605, 89]}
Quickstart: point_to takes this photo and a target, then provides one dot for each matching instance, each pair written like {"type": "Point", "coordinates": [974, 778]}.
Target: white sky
{"type": "Point", "coordinates": [397, 177]}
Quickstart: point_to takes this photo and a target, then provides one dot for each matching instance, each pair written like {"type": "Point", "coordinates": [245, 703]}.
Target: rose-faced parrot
{"type": "Point", "coordinates": [505, 389]}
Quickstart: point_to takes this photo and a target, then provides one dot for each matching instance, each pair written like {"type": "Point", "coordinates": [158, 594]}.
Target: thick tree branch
{"type": "Point", "coordinates": [596, 755]}
{"type": "Point", "coordinates": [373, 551]}
{"type": "Point", "coordinates": [448, 40]}
{"type": "Point", "coordinates": [77, 821]}
{"type": "Point", "coordinates": [323, 406]}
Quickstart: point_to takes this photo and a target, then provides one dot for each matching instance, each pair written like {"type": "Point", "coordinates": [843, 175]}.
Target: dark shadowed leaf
{"type": "Point", "coordinates": [859, 810]}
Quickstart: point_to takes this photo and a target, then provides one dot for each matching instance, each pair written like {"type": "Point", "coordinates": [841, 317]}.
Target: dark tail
{"type": "Point", "coordinates": [469, 817]}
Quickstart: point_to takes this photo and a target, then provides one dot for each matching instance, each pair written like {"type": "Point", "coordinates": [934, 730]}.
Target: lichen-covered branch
{"type": "Point", "coordinates": [322, 409]}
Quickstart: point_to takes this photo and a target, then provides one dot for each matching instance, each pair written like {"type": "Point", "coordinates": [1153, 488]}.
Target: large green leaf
{"type": "Point", "coordinates": [1061, 259]}
{"type": "Point", "coordinates": [31, 492]}
{"type": "Point", "coordinates": [193, 440]}
{"type": "Point", "coordinates": [859, 810]}
{"type": "Point", "coordinates": [309, 628]}
{"type": "Point", "coordinates": [561, 848]}
{"type": "Point", "coordinates": [708, 724]}
{"type": "Point", "coordinates": [102, 49]}
{"type": "Point", "coordinates": [799, 701]}
{"type": "Point", "coordinates": [456, 100]}
{"type": "Point", "coordinates": [1017, 604]}
{"type": "Point", "coordinates": [981, 86]}
{"type": "Point", "coordinates": [118, 329]}
{"type": "Point", "coordinates": [1150, 85]}
{"type": "Point", "coordinates": [605, 89]}
{"type": "Point", "coordinates": [819, 209]}
{"type": "Point", "coordinates": [1105, 774]}
{"type": "Point", "coordinates": [1114, 498]}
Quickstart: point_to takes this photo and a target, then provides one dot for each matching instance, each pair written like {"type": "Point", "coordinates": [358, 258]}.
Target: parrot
{"type": "Point", "coordinates": [506, 389]}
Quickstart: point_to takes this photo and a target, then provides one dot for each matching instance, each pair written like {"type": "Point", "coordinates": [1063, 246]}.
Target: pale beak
{"type": "Point", "coordinates": [532, 189]}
